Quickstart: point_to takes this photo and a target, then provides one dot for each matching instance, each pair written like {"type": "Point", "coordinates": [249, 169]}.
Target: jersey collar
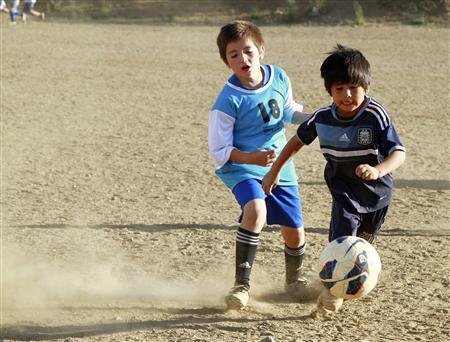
{"type": "Point", "coordinates": [234, 83]}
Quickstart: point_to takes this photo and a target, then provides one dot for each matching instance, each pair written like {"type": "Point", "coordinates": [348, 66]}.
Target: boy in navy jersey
{"type": "Point", "coordinates": [361, 146]}
{"type": "Point", "coordinates": [245, 134]}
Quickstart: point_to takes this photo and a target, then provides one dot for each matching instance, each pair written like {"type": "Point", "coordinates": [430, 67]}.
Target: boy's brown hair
{"type": "Point", "coordinates": [236, 30]}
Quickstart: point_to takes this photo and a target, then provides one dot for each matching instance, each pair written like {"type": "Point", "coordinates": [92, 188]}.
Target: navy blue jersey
{"type": "Point", "coordinates": [367, 138]}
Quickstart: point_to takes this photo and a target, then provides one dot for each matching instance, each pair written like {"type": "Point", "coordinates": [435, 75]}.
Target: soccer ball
{"type": "Point", "coordinates": [349, 267]}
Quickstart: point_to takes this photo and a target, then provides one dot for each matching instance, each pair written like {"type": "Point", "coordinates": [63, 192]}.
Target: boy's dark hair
{"type": "Point", "coordinates": [236, 30]}
{"type": "Point", "coordinates": [345, 65]}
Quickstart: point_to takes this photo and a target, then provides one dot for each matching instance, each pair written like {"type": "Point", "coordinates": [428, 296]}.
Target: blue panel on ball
{"type": "Point", "coordinates": [341, 239]}
{"type": "Point", "coordinates": [356, 285]}
{"type": "Point", "coordinates": [358, 266]}
{"type": "Point", "coordinates": [328, 270]}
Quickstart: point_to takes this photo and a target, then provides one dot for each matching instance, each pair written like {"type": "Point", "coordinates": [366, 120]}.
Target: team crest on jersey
{"type": "Point", "coordinates": [364, 136]}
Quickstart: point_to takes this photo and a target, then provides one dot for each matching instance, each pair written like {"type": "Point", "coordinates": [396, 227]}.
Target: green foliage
{"type": "Point", "coordinates": [292, 11]}
{"type": "Point", "coordinates": [329, 12]}
{"type": "Point", "coordinates": [54, 6]}
{"type": "Point", "coordinates": [359, 13]}
{"type": "Point", "coordinates": [422, 19]}
{"type": "Point", "coordinates": [419, 12]}
{"type": "Point", "coordinates": [255, 14]}
{"type": "Point", "coordinates": [429, 7]}
{"type": "Point", "coordinates": [417, 19]}
{"type": "Point", "coordinates": [76, 13]}
{"type": "Point", "coordinates": [171, 16]}
{"type": "Point", "coordinates": [102, 10]}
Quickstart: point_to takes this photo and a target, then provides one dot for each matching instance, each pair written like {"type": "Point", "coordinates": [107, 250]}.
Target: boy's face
{"type": "Point", "coordinates": [244, 58]}
{"type": "Point", "coordinates": [348, 98]}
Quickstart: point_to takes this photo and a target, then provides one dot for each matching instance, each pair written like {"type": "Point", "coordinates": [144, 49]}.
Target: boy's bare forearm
{"type": "Point", "coordinates": [291, 148]}
{"type": "Point", "coordinates": [239, 156]}
{"type": "Point", "coordinates": [391, 163]}
{"type": "Point", "coordinates": [272, 177]}
{"type": "Point", "coordinates": [262, 158]}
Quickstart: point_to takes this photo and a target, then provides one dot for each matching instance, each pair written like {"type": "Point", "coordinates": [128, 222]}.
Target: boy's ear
{"type": "Point", "coordinates": [261, 52]}
{"type": "Point", "coordinates": [368, 87]}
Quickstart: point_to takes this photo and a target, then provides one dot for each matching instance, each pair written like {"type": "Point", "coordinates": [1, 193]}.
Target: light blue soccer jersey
{"type": "Point", "coordinates": [257, 118]}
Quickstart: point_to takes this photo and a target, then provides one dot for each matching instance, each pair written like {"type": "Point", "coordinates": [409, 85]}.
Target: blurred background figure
{"type": "Point", "coordinates": [3, 7]}
{"type": "Point", "coordinates": [13, 12]}
{"type": "Point", "coordinates": [29, 8]}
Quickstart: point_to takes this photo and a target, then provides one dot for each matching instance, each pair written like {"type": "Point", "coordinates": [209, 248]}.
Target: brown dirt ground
{"type": "Point", "coordinates": [115, 228]}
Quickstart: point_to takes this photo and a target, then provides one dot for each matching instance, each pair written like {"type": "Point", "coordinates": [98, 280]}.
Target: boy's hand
{"type": "Point", "coordinates": [264, 158]}
{"type": "Point", "coordinates": [367, 172]}
{"type": "Point", "coordinates": [270, 181]}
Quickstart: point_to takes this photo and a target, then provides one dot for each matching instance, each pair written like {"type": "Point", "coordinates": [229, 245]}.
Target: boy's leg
{"type": "Point", "coordinates": [344, 221]}
{"type": "Point", "coordinates": [3, 7]}
{"type": "Point", "coordinates": [29, 8]}
{"type": "Point", "coordinates": [284, 208]}
{"type": "Point", "coordinates": [327, 304]}
{"type": "Point", "coordinates": [296, 284]}
{"type": "Point", "coordinates": [250, 196]}
{"type": "Point", "coordinates": [293, 257]}
{"type": "Point", "coordinates": [12, 16]}
{"type": "Point", "coordinates": [371, 224]}
{"type": "Point", "coordinates": [246, 246]}
{"type": "Point", "coordinates": [13, 12]}
{"type": "Point", "coordinates": [294, 250]}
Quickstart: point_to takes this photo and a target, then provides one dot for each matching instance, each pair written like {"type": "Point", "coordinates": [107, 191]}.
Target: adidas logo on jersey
{"type": "Point", "coordinates": [344, 137]}
{"type": "Point", "coordinates": [245, 265]}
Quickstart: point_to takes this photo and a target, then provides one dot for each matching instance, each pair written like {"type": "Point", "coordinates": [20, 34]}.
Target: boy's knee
{"type": "Point", "coordinates": [256, 211]}
{"type": "Point", "coordinates": [293, 237]}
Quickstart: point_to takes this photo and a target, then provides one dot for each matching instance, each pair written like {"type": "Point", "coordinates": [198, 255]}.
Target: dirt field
{"type": "Point", "coordinates": [115, 228]}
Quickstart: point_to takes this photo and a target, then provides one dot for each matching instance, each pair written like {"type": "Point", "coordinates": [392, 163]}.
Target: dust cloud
{"type": "Point", "coordinates": [30, 280]}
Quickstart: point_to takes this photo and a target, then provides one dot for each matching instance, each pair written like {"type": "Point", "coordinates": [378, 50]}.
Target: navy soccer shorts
{"type": "Point", "coordinates": [347, 221]}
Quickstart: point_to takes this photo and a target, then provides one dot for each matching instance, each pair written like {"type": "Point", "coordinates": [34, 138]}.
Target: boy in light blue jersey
{"type": "Point", "coordinates": [361, 146]}
{"type": "Point", "coordinates": [245, 133]}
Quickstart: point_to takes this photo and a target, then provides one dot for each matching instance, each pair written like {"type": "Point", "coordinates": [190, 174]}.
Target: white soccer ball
{"type": "Point", "coordinates": [350, 267]}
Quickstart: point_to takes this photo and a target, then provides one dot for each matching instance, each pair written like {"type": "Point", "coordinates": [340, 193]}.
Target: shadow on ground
{"type": "Point", "coordinates": [217, 316]}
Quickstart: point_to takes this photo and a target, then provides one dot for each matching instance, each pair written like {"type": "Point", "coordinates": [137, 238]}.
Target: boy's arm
{"type": "Point", "coordinates": [391, 163]}
{"type": "Point", "coordinates": [272, 177]}
{"type": "Point", "coordinates": [220, 141]}
{"type": "Point", "coordinates": [262, 158]}
{"type": "Point", "coordinates": [220, 137]}
{"type": "Point", "coordinates": [292, 109]}
{"type": "Point", "coordinates": [300, 117]}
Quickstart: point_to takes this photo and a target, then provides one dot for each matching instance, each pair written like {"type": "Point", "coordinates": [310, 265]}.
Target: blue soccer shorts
{"type": "Point", "coordinates": [284, 206]}
{"type": "Point", "coordinates": [346, 221]}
